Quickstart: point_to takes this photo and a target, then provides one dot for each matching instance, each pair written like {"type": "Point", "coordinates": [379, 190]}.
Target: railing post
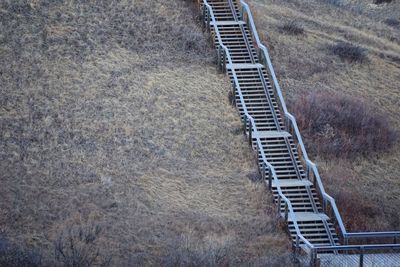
{"type": "Point", "coordinates": [250, 133]}
{"type": "Point", "coordinates": [296, 252]}
{"type": "Point", "coordinates": [312, 177]}
{"type": "Point", "coordinates": [234, 95]}
{"type": "Point", "coordinates": [361, 258]}
{"type": "Point", "coordinates": [224, 62]}
{"type": "Point", "coordinates": [346, 242]}
{"type": "Point", "coordinates": [204, 17]}
{"type": "Point", "coordinates": [262, 57]}
{"type": "Point", "coordinates": [263, 171]}
{"type": "Point", "coordinates": [245, 124]}
{"type": "Point", "coordinates": [219, 58]}
{"type": "Point", "coordinates": [313, 258]}
{"type": "Point", "coordinates": [270, 179]}
{"type": "Point", "coordinates": [208, 20]}
{"type": "Point", "coordinates": [286, 212]}
{"type": "Point", "coordinates": [287, 124]}
{"type": "Point", "coordinates": [279, 204]}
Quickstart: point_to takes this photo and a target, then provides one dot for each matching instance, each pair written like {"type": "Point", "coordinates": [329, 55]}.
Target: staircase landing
{"type": "Point", "coordinates": [370, 260]}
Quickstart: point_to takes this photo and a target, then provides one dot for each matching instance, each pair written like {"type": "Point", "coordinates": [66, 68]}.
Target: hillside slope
{"type": "Point", "coordinates": [113, 115]}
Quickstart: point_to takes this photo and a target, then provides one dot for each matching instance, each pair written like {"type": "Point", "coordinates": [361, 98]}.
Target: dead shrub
{"type": "Point", "coordinates": [382, 1]}
{"type": "Point", "coordinates": [349, 52]}
{"type": "Point", "coordinates": [338, 3]}
{"type": "Point", "coordinates": [188, 251]}
{"type": "Point", "coordinates": [340, 126]}
{"type": "Point", "coordinates": [77, 246]}
{"type": "Point", "coordinates": [12, 255]}
{"type": "Point", "coordinates": [293, 28]}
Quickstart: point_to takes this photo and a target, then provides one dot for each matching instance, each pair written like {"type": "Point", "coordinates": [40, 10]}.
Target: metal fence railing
{"type": "Point", "coordinates": [329, 204]}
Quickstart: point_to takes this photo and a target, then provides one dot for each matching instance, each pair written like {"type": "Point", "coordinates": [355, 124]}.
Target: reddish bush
{"type": "Point", "coordinates": [342, 126]}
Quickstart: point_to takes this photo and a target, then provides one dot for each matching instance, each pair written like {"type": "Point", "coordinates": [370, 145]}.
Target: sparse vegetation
{"type": "Point", "coordinates": [189, 251]}
{"type": "Point", "coordinates": [354, 204]}
{"type": "Point", "coordinates": [349, 52]}
{"type": "Point", "coordinates": [12, 255]}
{"type": "Point", "coordinates": [292, 27]}
{"type": "Point", "coordinates": [341, 126]}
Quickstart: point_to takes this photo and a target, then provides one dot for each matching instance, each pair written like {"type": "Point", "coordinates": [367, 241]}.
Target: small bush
{"type": "Point", "coordinates": [392, 22]}
{"type": "Point", "coordinates": [293, 28]}
{"type": "Point", "coordinates": [349, 52]}
{"type": "Point", "coordinates": [342, 126]}
{"type": "Point", "coordinates": [338, 3]}
{"type": "Point", "coordinates": [12, 255]}
{"type": "Point", "coordinates": [255, 177]}
{"type": "Point", "coordinates": [382, 1]}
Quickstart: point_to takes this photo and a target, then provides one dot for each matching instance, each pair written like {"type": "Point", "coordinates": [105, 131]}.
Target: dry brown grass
{"type": "Point", "coordinates": [304, 63]}
{"type": "Point", "coordinates": [113, 114]}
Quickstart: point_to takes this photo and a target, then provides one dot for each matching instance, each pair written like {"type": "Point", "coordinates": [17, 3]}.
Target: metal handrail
{"type": "Point", "coordinates": [357, 247]}
{"type": "Point", "coordinates": [253, 127]}
{"type": "Point", "coordinates": [310, 165]}
{"type": "Point", "coordinates": [374, 234]}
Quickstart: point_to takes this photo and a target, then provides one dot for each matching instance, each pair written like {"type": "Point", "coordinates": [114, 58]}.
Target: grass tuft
{"type": "Point", "coordinates": [349, 52]}
{"type": "Point", "coordinates": [293, 28]}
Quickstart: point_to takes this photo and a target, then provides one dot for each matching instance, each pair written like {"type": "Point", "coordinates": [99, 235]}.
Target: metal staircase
{"type": "Point", "coordinates": [277, 144]}
{"type": "Point", "coordinates": [313, 220]}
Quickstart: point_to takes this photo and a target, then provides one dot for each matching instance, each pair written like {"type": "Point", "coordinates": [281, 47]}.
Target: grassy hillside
{"type": "Point", "coordinates": [305, 38]}
{"type": "Point", "coordinates": [117, 136]}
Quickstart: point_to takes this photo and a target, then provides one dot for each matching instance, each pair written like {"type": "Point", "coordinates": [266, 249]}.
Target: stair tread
{"type": "Point", "coordinates": [291, 183]}
{"type": "Point", "coordinates": [309, 216]}
{"type": "Point", "coordinates": [272, 134]}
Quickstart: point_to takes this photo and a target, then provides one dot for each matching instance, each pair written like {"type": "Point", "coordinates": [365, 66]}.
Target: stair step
{"type": "Point", "coordinates": [309, 216]}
